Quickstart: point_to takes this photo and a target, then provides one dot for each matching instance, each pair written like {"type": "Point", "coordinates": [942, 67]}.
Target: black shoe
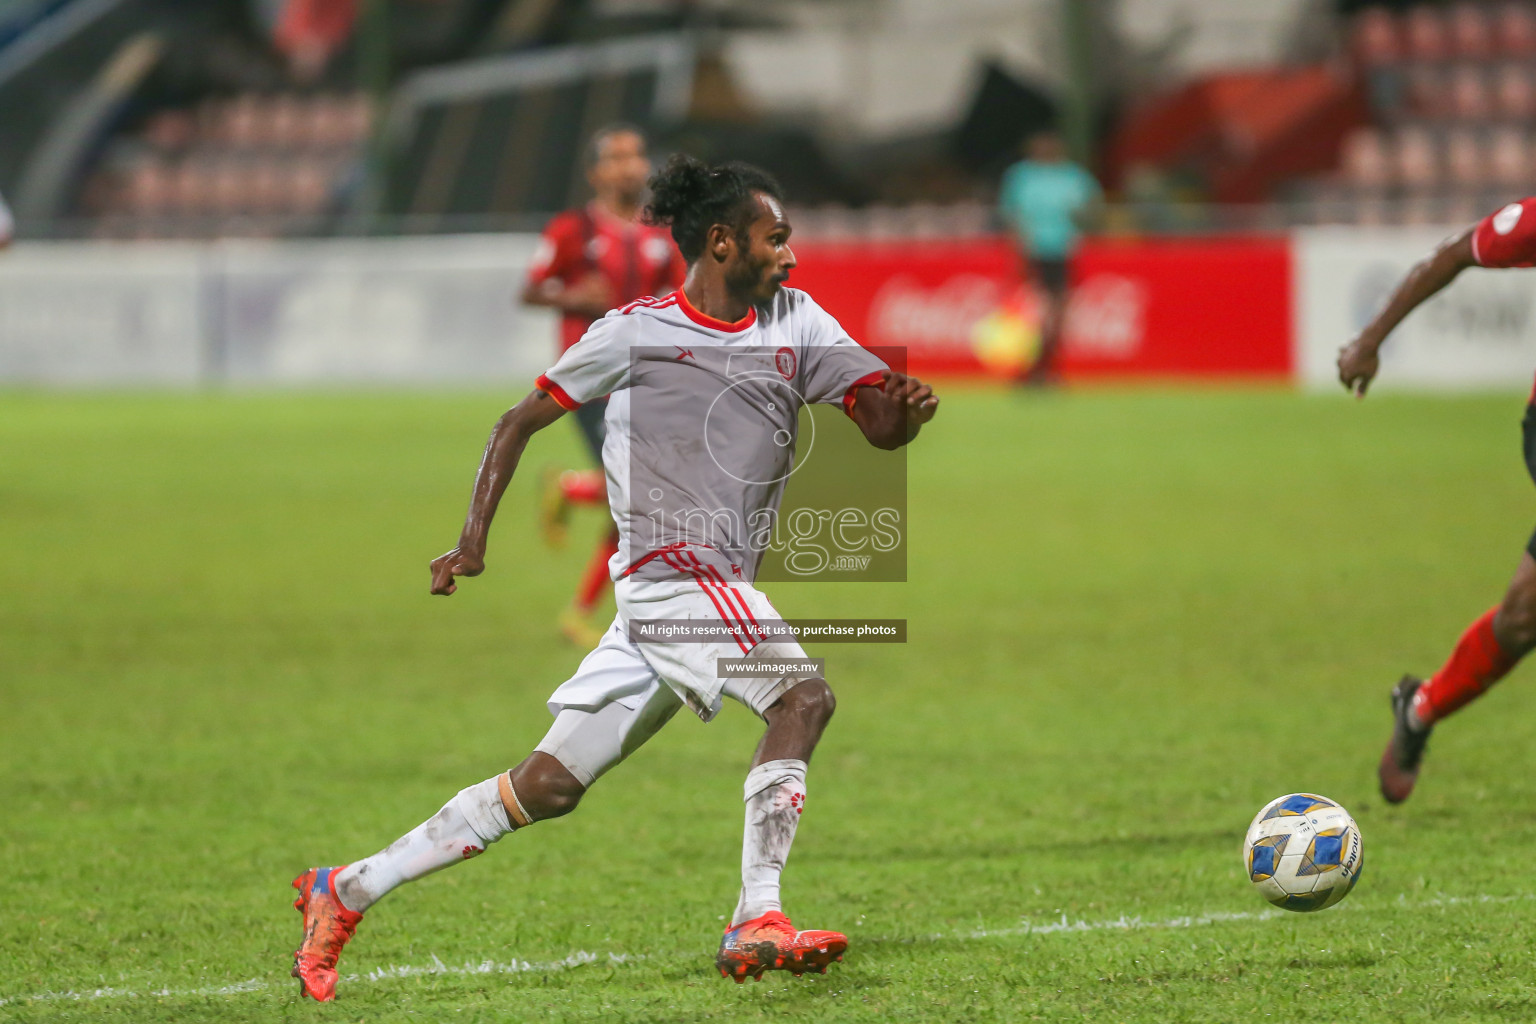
{"type": "Point", "coordinates": [1399, 768]}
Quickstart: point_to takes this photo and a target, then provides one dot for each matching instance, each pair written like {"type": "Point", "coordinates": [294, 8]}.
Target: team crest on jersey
{"type": "Point", "coordinates": [784, 362]}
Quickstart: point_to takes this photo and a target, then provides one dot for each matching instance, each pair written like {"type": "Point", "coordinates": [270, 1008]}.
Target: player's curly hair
{"type": "Point", "coordinates": [692, 196]}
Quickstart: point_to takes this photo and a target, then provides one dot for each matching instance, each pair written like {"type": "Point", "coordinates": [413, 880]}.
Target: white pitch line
{"type": "Point", "coordinates": [582, 958]}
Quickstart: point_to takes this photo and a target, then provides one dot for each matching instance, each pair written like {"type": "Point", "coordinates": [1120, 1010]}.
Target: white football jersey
{"type": "Point", "coordinates": [704, 417]}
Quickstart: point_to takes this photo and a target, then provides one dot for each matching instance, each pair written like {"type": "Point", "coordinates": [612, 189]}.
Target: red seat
{"type": "Point", "coordinates": [1426, 34]}
{"type": "Point", "coordinates": [1365, 160]}
{"type": "Point", "coordinates": [1429, 94]}
{"type": "Point", "coordinates": [1515, 30]}
{"type": "Point", "coordinates": [1463, 157]}
{"type": "Point", "coordinates": [1469, 97]}
{"type": "Point", "coordinates": [1515, 92]}
{"type": "Point", "coordinates": [1509, 159]}
{"type": "Point", "coordinates": [1471, 35]}
{"type": "Point", "coordinates": [1374, 37]}
{"type": "Point", "coordinates": [1418, 158]}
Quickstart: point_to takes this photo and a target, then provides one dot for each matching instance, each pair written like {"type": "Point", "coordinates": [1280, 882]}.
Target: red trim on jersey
{"type": "Point", "coordinates": [556, 392]}
{"type": "Point", "coordinates": [649, 302]}
{"type": "Point", "coordinates": [659, 551]}
{"type": "Point", "coordinates": [724, 615]}
{"type": "Point", "coordinates": [759, 635]}
{"type": "Point", "coordinates": [1477, 257]}
{"type": "Point", "coordinates": [871, 379]}
{"type": "Point", "coordinates": [705, 320]}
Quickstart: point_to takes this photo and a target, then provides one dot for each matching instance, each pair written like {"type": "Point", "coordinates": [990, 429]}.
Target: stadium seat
{"type": "Point", "coordinates": [1463, 157]}
{"type": "Point", "coordinates": [1469, 95]}
{"type": "Point", "coordinates": [1418, 158]}
{"type": "Point", "coordinates": [1509, 159]}
{"type": "Point", "coordinates": [1374, 38]}
{"type": "Point", "coordinates": [1515, 92]}
{"type": "Point", "coordinates": [1426, 34]}
{"type": "Point", "coordinates": [1515, 30]}
{"type": "Point", "coordinates": [1366, 162]}
{"type": "Point", "coordinates": [308, 187]}
{"type": "Point", "coordinates": [190, 188]}
{"type": "Point", "coordinates": [1428, 93]}
{"type": "Point", "coordinates": [148, 191]}
{"type": "Point", "coordinates": [1471, 34]}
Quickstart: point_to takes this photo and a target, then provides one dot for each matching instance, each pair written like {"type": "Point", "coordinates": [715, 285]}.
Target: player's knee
{"type": "Point", "coordinates": [1515, 624]}
{"type": "Point", "coordinates": [811, 701]}
{"type": "Point", "coordinates": [546, 788]}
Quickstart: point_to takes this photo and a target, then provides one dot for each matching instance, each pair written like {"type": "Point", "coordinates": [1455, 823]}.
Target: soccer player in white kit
{"type": "Point", "coordinates": [706, 386]}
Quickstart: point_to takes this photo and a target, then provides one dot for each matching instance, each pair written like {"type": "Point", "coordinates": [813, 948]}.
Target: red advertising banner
{"type": "Point", "coordinates": [1139, 307]}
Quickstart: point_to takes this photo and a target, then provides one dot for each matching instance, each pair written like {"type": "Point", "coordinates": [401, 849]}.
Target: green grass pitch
{"type": "Point", "coordinates": [1135, 617]}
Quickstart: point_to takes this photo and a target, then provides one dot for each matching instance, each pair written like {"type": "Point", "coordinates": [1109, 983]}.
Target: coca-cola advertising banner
{"type": "Point", "coordinates": [1166, 307]}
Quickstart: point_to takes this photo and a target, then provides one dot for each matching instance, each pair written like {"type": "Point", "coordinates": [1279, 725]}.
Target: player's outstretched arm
{"type": "Point", "coordinates": [589, 297]}
{"type": "Point", "coordinates": [1358, 361]}
{"type": "Point", "coordinates": [508, 439]}
{"type": "Point", "coordinates": [891, 415]}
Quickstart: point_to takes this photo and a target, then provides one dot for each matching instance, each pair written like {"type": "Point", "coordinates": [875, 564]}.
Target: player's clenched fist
{"type": "Point", "coordinates": [457, 562]}
{"type": "Point", "coordinates": [1358, 363]}
{"type": "Point", "coordinates": [918, 398]}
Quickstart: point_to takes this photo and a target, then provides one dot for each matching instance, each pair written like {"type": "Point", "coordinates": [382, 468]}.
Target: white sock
{"type": "Point", "coordinates": [775, 796]}
{"type": "Point", "coordinates": [466, 825]}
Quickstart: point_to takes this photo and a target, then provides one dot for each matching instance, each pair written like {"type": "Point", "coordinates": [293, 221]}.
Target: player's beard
{"type": "Point", "coordinates": [754, 280]}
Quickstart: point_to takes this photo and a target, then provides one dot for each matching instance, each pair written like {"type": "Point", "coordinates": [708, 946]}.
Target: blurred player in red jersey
{"type": "Point", "coordinates": [1493, 644]}
{"type": "Point", "coordinates": [593, 259]}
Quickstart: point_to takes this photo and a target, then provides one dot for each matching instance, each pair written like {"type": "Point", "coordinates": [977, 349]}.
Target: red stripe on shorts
{"type": "Point", "coordinates": [724, 616]}
{"type": "Point", "coordinates": [760, 635]}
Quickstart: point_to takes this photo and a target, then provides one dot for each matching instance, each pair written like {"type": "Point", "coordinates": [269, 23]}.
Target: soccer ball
{"type": "Point", "coordinates": [1303, 852]}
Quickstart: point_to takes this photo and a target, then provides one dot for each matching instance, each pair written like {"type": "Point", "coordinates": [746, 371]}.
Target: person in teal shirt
{"type": "Point", "coordinates": [1046, 199]}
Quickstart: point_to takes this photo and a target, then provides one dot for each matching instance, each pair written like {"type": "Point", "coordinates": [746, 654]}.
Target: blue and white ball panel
{"type": "Point", "coordinates": [1303, 852]}
{"type": "Point", "coordinates": [1296, 805]}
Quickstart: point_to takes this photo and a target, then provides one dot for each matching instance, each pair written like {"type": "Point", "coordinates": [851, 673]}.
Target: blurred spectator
{"type": "Point", "coordinates": [309, 32]}
{"type": "Point", "coordinates": [7, 224]}
{"type": "Point", "coordinates": [1046, 199]}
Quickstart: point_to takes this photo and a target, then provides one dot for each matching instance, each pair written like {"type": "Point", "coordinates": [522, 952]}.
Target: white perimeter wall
{"type": "Point", "coordinates": [380, 311]}
{"type": "Point", "coordinates": [1478, 334]}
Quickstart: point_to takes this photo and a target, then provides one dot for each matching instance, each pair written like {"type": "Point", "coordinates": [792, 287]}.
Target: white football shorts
{"type": "Point", "coordinates": [624, 692]}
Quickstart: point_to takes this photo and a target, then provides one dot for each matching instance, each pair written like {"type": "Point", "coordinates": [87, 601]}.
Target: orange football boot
{"type": "Point", "coordinates": [770, 943]}
{"type": "Point", "coordinates": [327, 927]}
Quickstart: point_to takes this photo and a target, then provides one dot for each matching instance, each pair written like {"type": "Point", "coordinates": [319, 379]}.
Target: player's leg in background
{"type": "Point", "coordinates": [589, 487]}
{"type": "Point", "coordinates": [1486, 652]}
{"type": "Point", "coordinates": [563, 489]}
{"type": "Point", "coordinates": [1051, 284]}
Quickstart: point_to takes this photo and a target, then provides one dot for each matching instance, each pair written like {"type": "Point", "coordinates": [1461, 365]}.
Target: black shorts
{"type": "Point", "coordinates": [589, 418]}
{"type": "Point", "coordinates": [1528, 432]}
{"type": "Point", "coordinates": [1052, 275]}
